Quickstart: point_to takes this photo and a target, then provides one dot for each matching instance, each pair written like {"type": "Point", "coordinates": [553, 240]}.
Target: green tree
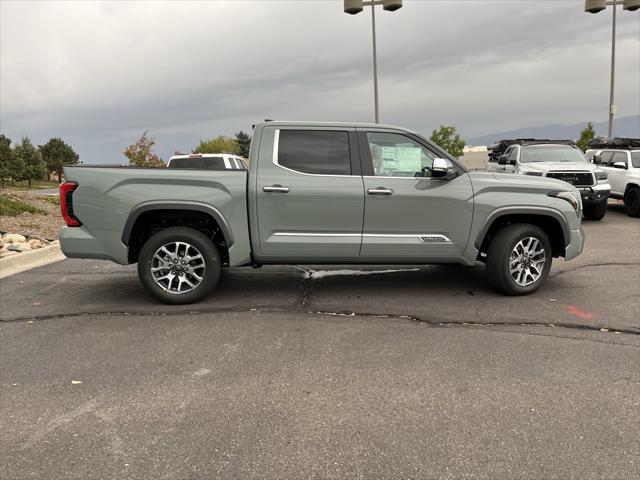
{"type": "Point", "coordinates": [220, 144]}
{"type": "Point", "coordinates": [244, 142]}
{"type": "Point", "coordinates": [56, 154]}
{"type": "Point", "coordinates": [586, 135]}
{"type": "Point", "coordinates": [449, 139]}
{"type": "Point", "coordinates": [11, 166]}
{"type": "Point", "coordinates": [141, 153]}
{"type": "Point", "coordinates": [34, 167]}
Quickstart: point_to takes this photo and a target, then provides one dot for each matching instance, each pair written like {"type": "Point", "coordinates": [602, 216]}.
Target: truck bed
{"type": "Point", "coordinates": [109, 198]}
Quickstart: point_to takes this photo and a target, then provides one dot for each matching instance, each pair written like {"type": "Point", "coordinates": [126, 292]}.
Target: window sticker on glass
{"type": "Point", "coordinates": [395, 155]}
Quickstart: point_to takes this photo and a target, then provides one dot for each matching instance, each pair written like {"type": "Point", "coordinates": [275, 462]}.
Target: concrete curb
{"type": "Point", "coordinates": [32, 259]}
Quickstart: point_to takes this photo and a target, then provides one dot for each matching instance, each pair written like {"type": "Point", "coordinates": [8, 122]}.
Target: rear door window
{"type": "Point", "coordinates": [619, 157]}
{"type": "Point", "coordinates": [319, 152]}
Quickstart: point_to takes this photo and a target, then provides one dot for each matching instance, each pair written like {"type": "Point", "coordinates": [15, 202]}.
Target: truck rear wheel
{"type": "Point", "coordinates": [632, 201]}
{"type": "Point", "coordinates": [179, 265]}
{"type": "Point", "coordinates": [519, 259]}
{"type": "Point", "coordinates": [595, 212]}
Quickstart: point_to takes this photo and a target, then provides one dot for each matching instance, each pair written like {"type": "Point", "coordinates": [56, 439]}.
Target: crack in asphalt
{"type": "Point", "coordinates": [411, 318]}
{"type": "Point", "coordinates": [608, 264]}
{"type": "Point", "coordinates": [303, 303]}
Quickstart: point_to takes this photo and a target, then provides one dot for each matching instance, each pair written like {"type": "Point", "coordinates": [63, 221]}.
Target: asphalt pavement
{"type": "Point", "coordinates": [327, 372]}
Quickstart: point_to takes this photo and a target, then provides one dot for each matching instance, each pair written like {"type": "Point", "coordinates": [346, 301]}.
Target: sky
{"type": "Point", "coordinates": [99, 73]}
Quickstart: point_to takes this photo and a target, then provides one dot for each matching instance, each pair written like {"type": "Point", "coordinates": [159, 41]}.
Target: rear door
{"type": "Point", "coordinates": [617, 176]}
{"type": "Point", "coordinates": [410, 216]}
{"type": "Point", "coordinates": [310, 196]}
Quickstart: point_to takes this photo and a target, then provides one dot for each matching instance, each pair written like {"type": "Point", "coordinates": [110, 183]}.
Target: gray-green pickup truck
{"type": "Point", "coordinates": [320, 193]}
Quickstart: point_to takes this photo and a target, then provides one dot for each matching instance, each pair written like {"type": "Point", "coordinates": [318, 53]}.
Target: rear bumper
{"type": "Point", "coordinates": [576, 244]}
{"type": "Point", "coordinates": [78, 242]}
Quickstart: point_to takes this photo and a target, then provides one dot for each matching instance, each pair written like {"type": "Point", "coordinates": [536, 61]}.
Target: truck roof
{"type": "Point", "coordinates": [280, 123]}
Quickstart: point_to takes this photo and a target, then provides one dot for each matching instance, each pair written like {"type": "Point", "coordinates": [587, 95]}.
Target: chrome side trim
{"type": "Point", "coordinates": [294, 234]}
{"type": "Point", "coordinates": [422, 237]}
{"type": "Point", "coordinates": [274, 160]}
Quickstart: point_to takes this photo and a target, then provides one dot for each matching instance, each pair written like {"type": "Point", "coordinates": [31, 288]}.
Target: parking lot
{"type": "Point", "coordinates": [330, 372]}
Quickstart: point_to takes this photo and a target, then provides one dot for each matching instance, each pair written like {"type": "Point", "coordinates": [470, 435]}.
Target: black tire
{"type": "Point", "coordinates": [499, 258]}
{"type": "Point", "coordinates": [632, 201]}
{"type": "Point", "coordinates": [595, 212]}
{"type": "Point", "coordinates": [198, 241]}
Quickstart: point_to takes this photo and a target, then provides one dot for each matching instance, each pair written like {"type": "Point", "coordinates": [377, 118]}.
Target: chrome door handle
{"type": "Point", "coordinates": [276, 188]}
{"type": "Point", "coordinates": [380, 191]}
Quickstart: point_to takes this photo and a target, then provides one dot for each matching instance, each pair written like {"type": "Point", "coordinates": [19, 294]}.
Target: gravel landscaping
{"type": "Point", "coordinates": [33, 216]}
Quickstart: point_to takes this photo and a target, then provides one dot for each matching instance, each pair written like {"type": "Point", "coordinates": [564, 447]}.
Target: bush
{"type": "Point", "coordinates": [11, 208]}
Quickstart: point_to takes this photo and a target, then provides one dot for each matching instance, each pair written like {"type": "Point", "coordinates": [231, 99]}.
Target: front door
{"type": "Point", "coordinates": [310, 198]}
{"type": "Point", "coordinates": [410, 216]}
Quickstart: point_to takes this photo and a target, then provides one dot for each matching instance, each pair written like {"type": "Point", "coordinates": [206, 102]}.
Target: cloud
{"type": "Point", "coordinates": [99, 73]}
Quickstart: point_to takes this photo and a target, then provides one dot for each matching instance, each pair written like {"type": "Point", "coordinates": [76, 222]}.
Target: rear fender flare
{"type": "Point", "coordinates": [200, 207]}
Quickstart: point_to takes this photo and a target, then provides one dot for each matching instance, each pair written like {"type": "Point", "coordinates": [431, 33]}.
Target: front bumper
{"type": "Point", "coordinates": [594, 195]}
{"type": "Point", "coordinates": [576, 244]}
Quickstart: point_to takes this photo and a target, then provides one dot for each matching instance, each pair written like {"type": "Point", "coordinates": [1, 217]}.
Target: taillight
{"type": "Point", "coordinates": [66, 203]}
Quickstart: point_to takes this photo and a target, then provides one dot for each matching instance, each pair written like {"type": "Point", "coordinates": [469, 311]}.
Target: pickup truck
{"type": "Point", "coordinates": [320, 193]}
{"type": "Point", "coordinates": [560, 159]}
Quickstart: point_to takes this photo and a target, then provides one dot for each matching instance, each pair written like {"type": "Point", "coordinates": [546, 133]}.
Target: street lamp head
{"type": "Point", "coordinates": [352, 6]}
{"type": "Point", "coordinates": [631, 5]}
{"type": "Point", "coordinates": [391, 5]}
{"type": "Point", "coordinates": [595, 6]}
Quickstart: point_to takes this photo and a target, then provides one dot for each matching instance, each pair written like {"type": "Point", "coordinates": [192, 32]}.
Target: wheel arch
{"type": "Point", "coordinates": [147, 218]}
{"type": "Point", "coordinates": [551, 221]}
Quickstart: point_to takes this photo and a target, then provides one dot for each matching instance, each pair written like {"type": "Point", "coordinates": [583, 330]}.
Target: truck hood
{"type": "Point", "coordinates": [545, 167]}
{"type": "Point", "coordinates": [503, 182]}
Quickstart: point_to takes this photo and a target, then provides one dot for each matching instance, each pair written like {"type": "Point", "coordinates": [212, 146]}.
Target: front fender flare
{"type": "Point", "coordinates": [540, 211]}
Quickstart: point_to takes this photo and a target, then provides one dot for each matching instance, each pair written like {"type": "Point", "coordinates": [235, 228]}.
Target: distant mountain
{"type": "Point", "coordinates": [623, 127]}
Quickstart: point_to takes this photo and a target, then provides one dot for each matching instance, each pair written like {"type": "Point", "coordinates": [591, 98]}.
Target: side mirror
{"type": "Point", "coordinates": [502, 160]}
{"type": "Point", "coordinates": [440, 168]}
{"type": "Point", "coordinates": [621, 165]}
{"type": "Point", "coordinates": [597, 158]}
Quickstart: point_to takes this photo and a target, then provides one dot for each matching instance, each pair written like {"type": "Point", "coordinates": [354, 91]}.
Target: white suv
{"type": "Point", "coordinates": [560, 159]}
{"type": "Point", "coordinates": [623, 167]}
{"type": "Point", "coordinates": [208, 161]}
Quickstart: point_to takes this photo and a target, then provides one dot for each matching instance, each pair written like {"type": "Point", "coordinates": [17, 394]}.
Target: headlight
{"type": "Point", "coordinates": [601, 176]}
{"type": "Point", "coordinates": [573, 198]}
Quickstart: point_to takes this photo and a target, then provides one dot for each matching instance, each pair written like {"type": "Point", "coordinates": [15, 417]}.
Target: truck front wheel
{"type": "Point", "coordinates": [179, 265]}
{"type": "Point", "coordinates": [519, 259]}
{"type": "Point", "coordinates": [596, 211]}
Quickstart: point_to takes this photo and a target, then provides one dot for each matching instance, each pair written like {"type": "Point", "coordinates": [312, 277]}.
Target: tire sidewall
{"type": "Point", "coordinates": [510, 283]}
{"type": "Point", "coordinates": [180, 234]}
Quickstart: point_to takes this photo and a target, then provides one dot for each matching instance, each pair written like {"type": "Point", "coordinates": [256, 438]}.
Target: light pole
{"type": "Point", "coordinates": [353, 7]}
{"type": "Point", "coordinates": [596, 6]}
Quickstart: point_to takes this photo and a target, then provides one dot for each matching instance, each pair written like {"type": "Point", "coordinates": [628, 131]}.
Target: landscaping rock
{"type": "Point", "coordinates": [19, 247]}
{"type": "Point", "coordinates": [35, 243]}
{"type": "Point", "coordinates": [7, 253]}
{"type": "Point", "coordinates": [14, 238]}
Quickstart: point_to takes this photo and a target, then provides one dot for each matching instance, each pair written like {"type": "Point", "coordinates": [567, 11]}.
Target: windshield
{"type": "Point", "coordinates": [214, 163]}
{"type": "Point", "coordinates": [551, 153]}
